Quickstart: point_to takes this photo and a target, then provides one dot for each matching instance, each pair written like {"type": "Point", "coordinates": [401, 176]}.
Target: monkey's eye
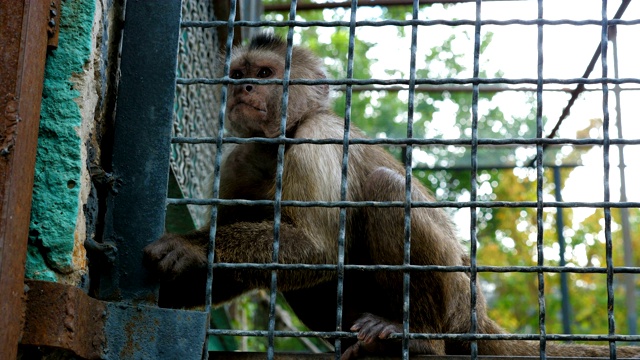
{"type": "Point", "coordinates": [236, 74]}
{"type": "Point", "coordinates": [264, 72]}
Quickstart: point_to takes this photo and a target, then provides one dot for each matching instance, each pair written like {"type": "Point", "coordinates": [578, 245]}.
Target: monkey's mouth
{"type": "Point", "coordinates": [242, 103]}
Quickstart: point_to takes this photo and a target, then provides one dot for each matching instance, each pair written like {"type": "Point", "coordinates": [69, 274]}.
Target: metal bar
{"type": "Point", "coordinates": [377, 23]}
{"type": "Point", "coordinates": [347, 4]}
{"type": "Point", "coordinates": [513, 142]}
{"type": "Point", "coordinates": [587, 72]}
{"type": "Point", "coordinates": [482, 81]}
{"type": "Point", "coordinates": [23, 40]}
{"type": "Point", "coordinates": [542, 310]}
{"type": "Point", "coordinates": [629, 280]}
{"type": "Point", "coordinates": [407, 159]}
{"type": "Point", "coordinates": [136, 212]}
{"type": "Point", "coordinates": [606, 164]}
{"type": "Point", "coordinates": [436, 268]}
{"type": "Point", "coordinates": [229, 35]}
{"type": "Point", "coordinates": [301, 356]}
{"type": "Point", "coordinates": [277, 208]}
{"type": "Point", "coordinates": [473, 222]}
{"type": "Point", "coordinates": [564, 285]}
{"type": "Point", "coordinates": [344, 181]}
{"type": "Point", "coordinates": [441, 336]}
{"type": "Point", "coordinates": [63, 316]}
{"type": "Point", "coordinates": [452, 204]}
{"type": "Point", "coordinates": [460, 88]}
{"type": "Point", "coordinates": [580, 87]}
{"type": "Point", "coordinates": [420, 81]}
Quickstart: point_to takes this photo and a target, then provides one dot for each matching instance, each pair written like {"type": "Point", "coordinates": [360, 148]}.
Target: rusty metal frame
{"type": "Point", "coordinates": [51, 315]}
{"type": "Point", "coordinates": [64, 317]}
{"type": "Point", "coordinates": [23, 40]}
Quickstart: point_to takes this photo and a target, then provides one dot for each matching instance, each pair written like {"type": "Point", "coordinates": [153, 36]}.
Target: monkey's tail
{"type": "Point", "coordinates": [585, 351]}
{"type": "Point", "coordinates": [532, 348]}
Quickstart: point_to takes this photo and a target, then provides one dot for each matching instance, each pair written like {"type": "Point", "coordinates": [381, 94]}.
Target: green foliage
{"type": "Point", "coordinates": [506, 236]}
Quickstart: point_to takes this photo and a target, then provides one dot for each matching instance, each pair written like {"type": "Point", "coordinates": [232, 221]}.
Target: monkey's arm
{"type": "Point", "coordinates": [174, 256]}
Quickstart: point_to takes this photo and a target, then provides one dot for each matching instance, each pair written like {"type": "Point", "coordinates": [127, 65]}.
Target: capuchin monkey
{"type": "Point", "coordinates": [373, 300]}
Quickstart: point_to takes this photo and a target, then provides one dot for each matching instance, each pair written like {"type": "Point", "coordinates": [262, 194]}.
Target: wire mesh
{"type": "Point", "coordinates": [475, 142]}
{"type": "Point", "coordinates": [195, 106]}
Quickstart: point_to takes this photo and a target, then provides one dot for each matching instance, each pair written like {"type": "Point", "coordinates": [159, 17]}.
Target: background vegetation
{"type": "Point", "coordinates": [506, 236]}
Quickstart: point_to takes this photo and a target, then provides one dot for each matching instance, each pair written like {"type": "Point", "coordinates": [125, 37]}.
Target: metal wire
{"type": "Point", "coordinates": [406, 141]}
{"type": "Point", "coordinates": [439, 204]}
{"type": "Point", "coordinates": [216, 172]}
{"type": "Point", "coordinates": [446, 81]}
{"type": "Point", "coordinates": [408, 153]}
{"type": "Point", "coordinates": [379, 23]}
{"type": "Point", "coordinates": [580, 88]}
{"type": "Point", "coordinates": [473, 222]}
{"type": "Point", "coordinates": [434, 268]}
{"type": "Point", "coordinates": [604, 42]}
{"type": "Point", "coordinates": [344, 180]}
{"type": "Point", "coordinates": [343, 269]}
{"type": "Point", "coordinates": [425, 336]}
{"type": "Point", "coordinates": [539, 192]}
{"type": "Point", "coordinates": [277, 207]}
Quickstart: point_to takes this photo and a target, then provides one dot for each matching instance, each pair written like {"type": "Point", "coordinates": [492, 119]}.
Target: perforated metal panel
{"type": "Point", "coordinates": [196, 106]}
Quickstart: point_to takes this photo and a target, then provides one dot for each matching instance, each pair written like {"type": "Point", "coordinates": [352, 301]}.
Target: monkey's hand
{"type": "Point", "coordinates": [173, 255]}
{"type": "Point", "coordinates": [373, 337]}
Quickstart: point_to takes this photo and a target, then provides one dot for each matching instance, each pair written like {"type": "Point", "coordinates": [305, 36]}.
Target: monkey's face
{"type": "Point", "coordinates": [254, 110]}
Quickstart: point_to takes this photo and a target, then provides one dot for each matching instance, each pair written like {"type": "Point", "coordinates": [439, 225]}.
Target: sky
{"type": "Point", "coordinates": [567, 51]}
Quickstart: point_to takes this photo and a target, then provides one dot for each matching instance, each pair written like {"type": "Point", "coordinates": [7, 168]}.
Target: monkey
{"type": "Point", "coordinates": [372, 300]}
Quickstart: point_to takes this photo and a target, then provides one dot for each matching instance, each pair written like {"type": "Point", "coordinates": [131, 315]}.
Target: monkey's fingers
{"type": "Point", "coordinates": [388, 330]}
{"type": "Point", "coordinates": [180, 260]}
{"type": "Point", "coordinates": [173, 255]}
{"type": "Point", "coordinates": [371, 333]}
{"type": "Point", "coordinates": [364, 321]}
{"type": "Point", "coordinates": [352, 352]}
{"type": "Point", "coordinates": [154, 253]}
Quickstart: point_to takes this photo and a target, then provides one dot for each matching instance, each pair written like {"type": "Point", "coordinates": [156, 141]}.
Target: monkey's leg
{"type": "Point", "coordinates": [384, 240]}
{"type": "Point", "coordinates": [248, 242]}
{"type": "Point", "coordinates": [173, 256]}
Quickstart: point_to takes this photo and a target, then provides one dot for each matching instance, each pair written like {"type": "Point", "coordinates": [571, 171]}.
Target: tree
{"type": "Point", "coordinates": [506, 236]}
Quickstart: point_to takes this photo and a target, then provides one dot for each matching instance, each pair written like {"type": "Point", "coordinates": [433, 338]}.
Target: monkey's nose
{"type": "Point", "coordinates": [248, 88]}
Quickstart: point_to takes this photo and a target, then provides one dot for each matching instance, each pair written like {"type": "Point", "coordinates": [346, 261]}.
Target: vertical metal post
{"type": "Point", "coordinates": [564, 285]}
{"type": "Point", "coordinates": [23, 40]}
{"type": "Point", "coordinates": [629, 283]}
{"type": "Point", "coordinates": [136, 208]}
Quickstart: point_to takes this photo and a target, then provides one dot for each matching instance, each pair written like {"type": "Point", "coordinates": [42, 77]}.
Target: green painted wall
{"type": "Point", "coordinates": [58, 163]}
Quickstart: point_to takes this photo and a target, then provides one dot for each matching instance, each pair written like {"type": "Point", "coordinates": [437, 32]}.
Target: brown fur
{"type": "Point", "coordinates": [440, 301]}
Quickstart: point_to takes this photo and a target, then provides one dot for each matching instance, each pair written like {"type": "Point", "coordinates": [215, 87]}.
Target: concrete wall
{"type": "Point", "coordinates": [75, 115]}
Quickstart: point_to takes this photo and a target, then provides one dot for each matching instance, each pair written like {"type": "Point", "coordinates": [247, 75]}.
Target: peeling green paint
{"type": "Point", "coordinates": [58, 163]}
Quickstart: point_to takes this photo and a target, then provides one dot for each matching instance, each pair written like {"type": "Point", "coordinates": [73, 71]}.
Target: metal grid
{"type": "Point", "coordinates": [540, 142]}
{"type": "Point", "coordinates": [195, 105]}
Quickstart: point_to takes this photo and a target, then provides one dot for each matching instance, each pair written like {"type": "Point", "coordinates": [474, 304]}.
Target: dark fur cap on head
{"type": "Point", "coordinates": [266, 40]}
